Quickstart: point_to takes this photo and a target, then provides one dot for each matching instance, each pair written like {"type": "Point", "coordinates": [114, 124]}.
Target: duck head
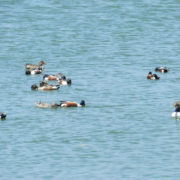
{"type": "Point", "coordinates": [41, 63]}
{"type": "Point", "coordinates": [43, 83]}
{"type": "Point", "coordinates": [34, 87]}
{"type": "Point", "coordinates": [46, 75]}
{"type": "Point", "coordinates": [63, 77]}
{"type": "Point", "coordinates": [28, 72]}
{"type": "Point", "coordinates": [3, 116]}
{"type": "Point", "coordinates": [82, 103]}
{"type": "Point", "coordinates": [69, 82]}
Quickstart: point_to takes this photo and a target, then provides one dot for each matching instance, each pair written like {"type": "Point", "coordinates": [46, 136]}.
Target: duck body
{"type": "Point", "coordinates": [34, 66]}
{"type": "Point", "coordinates": [176, 113]}
{"type": "Point", "coordinates": [50, 78]}
{"type": "Point", "coordinates": [62, 104]}
{"type": "Point", "coordinates": [64, 82]}
{"type": "Point", "coordinates": [72, 104]}
{"type": "Point", "coordinates": [152, 76]}
{"type": "Point", "coordinates": [162, 69]}
{"type": "Point", "coordinates": [45, 105]}
{"type": "Point", "coordinates": [47, 77]}
{"type": "Point", "coordinates": [2, 115]}
{"type": "Point", "coordinates": [33, 71]}
{"type": "Point", "coordinates": [45, 87]}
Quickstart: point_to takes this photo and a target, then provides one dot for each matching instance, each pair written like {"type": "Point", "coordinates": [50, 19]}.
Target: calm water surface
{"type": "Point", "coordinates": [106, 47]}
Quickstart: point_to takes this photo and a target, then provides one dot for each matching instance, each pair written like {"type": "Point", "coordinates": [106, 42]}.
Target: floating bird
{"type": "Point", "coordinates": [152, 76]}
{"type": "Point", "coordinates": [45, 105]}
{"type": "Point", "coordinates": [34, 66]}
{"type": "Point", "coordinates": [176, 113]}
{"type": "Point", "coordinates": [47, 77]}
{"type": "Point", "coordinates": [33, 71]}
{"type": "Point", "coordinates": [62, 104]}
{"type": "Point", "coordinates": [64, 82]}
{"type": "Point", "coordinates": [162, 69]}
{"type": "Point", "coordinates": [2, 115]}
{"type": "Point", "coordinates": [72, 104]}
{"type": "Point", "coordinates": [45, 87]}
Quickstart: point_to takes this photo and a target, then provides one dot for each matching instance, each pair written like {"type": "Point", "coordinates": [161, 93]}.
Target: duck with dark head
{"type": "Point", "coordinates": [162, 69]}
{"type": "Point", "coordinates": [152, 76]}
{"type": "Point", "coordinates": [63, 81]}
{"type": "Point", "coordinates": [176, 113]}
{"type": "Point", "coordinates": [2, 116]}
{"type": "Point", "coordinates": [62, 104]}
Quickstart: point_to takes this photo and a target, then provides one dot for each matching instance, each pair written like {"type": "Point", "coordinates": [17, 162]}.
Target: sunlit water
{"type": "Point", "coordinates": [107, 48]}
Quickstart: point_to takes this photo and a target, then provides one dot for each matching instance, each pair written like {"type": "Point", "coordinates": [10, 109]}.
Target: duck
{"type": "Point", "coordinates": [64, 82]}
{"type": "Point", "coordinates": [161, 69]}
{"type": "Point", "coordinates": [62, 104]}
{"type": "Point", "coordinates": [34, 71]}
{"type": "Point", "coordinates": [45, 87]}
{"type": "Point", "coordinates": [45, 105]}
{"type": "Point", "coordinates": [34, 66]}
{"type": "Point", "coordinates": [47, 77]}
{"type": "Point", "coordinates": [2, 115]}
{"type": "Point", "coordinates": [72, 104]}
{"type": "Point", "coordinates": [176, 113]}
{"type": "Point", "coordinates": [152, 76]}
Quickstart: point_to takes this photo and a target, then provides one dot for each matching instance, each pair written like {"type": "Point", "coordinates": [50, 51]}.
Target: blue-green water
{"type": "Point", "coordinates": [107, 48]}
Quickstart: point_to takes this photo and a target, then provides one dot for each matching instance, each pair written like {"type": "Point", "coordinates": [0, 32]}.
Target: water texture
{"type": "Point", "coordinates": [107, 48]}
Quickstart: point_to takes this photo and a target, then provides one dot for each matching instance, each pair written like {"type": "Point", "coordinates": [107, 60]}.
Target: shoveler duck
{"type": "Point", "coordinates": [45, 87]}
{"type": "Point", "coordinates": [162, 69]}
{"type": "Point", "coordinates": [45, 105]}
{"type": "Point", "coordinates": [62, 104]}
{"type": "Point", "coordinates": [72, 104]}
{"type": "Point", "coordinates": [152, 76]}
{"type": "Point", "coordinates": [176, 113]}
{"type": "Point", "coordinates": [33, 71]}
{"type": "Point", "coordinates": [34, 66]}
{"type": "Point", "coordinates": [2, 115]}
{"type": "Point", "coordinates": [47, 77]}
{"type": "Point", "coordinates": [64, 82]}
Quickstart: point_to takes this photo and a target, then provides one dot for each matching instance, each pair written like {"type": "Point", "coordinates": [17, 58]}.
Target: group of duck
{"type": "Point", "coordinates": [32, 69]}
{"type": "Point", "coordinates": [176, 113]}
{"type": "Point", "coordinates": [155, 76]}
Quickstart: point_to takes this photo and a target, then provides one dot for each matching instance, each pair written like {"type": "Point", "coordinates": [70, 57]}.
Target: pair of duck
{"type": "Point", "coordinates": [59, 77]}
{"type": "Point", "coordinates": [35, 69]}
{"type": "Point", "coordinates": [155, 76]}
{"type": "Point", "coordinates": [61, 104]}
{"type": "Point", "coordinates": [2, 115]}
{"type": "Point", "coordinates": [45, 86]}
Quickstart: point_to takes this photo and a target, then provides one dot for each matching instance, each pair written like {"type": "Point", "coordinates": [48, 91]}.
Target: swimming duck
{"type": "Point", "coordinates": [45, 105]}
{"type": "Point", "coordinates": [64, 82]}
{"type": "Point", "coordinates": [34, 66]}
{"type": "Point", "coordinates": [152, 76]}
{"type": "Point", "coordinates": [45, 87]}
{"type": "Point", "coordinates": [72, 104]}
{"type": "Point", "coordinates": [162, 69]}
{"type": "Point", "coordinates": [33, 71]}
{"type": "Point", "coordinates": [176, 113]}
{"type": "Point", "coordinates": [2, 115]}
{"type": "Point", "coordinates": [47, 77]}
{"type": "Point", "coordinates": [62, 104]}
